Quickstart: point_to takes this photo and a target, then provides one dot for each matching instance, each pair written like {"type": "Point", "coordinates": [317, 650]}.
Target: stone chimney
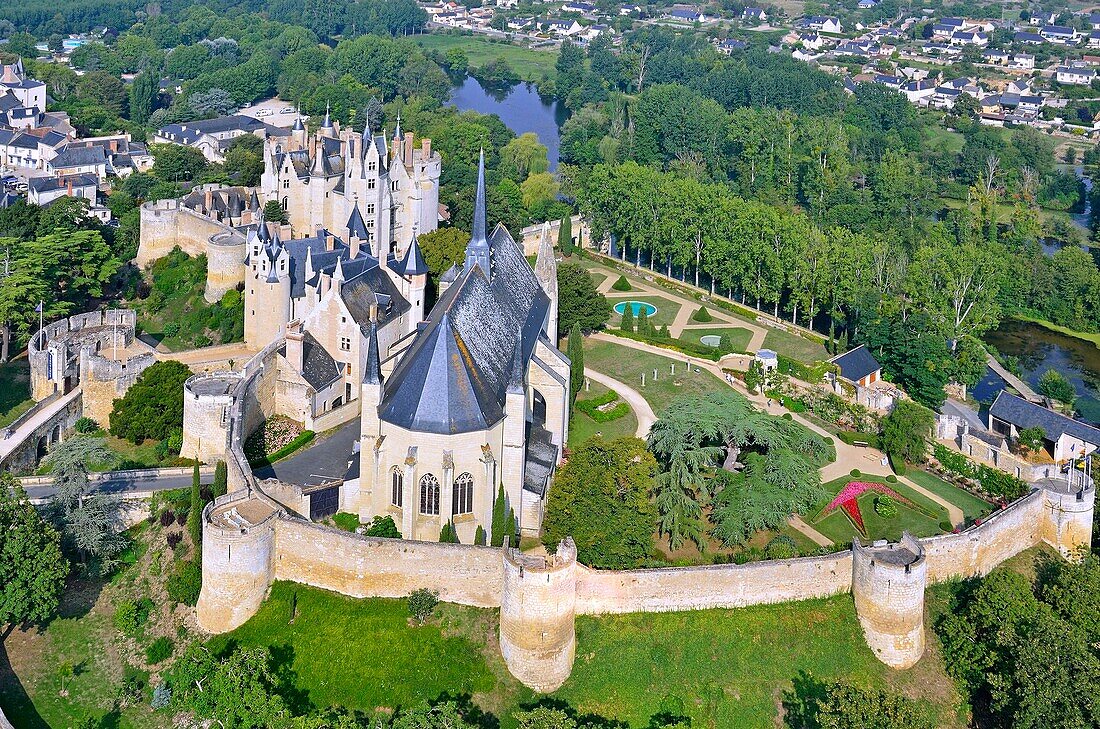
{"type": "Point", "coordinates": [114, 145]}
{"type": "Point", "coordinates": [425, 149]}
{"type": "Point", "coordinates": [209, 200]}
{"type": "Point", "coordinates": [69, 185]}
{"type": "Point", "coordinates": [295, 353]}
{"type": "Point", "coordinates": [353, 246]}
{"type": "Point", "coordinates": [408, 155]}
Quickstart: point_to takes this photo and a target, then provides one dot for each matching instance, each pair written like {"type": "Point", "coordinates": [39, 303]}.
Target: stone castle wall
{"type": "Point", "coordinates": [105, 380]}
{"type": "Point", "coordinates": [670, 589]}
{"type": "Point", "coordinates": [55, 352]}
{"type": "Point", "coordinates": [165, 224]}
{"type": "Point", "coordinates": [888, 582]}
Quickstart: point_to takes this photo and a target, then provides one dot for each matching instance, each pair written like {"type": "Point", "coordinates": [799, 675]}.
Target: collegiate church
{"type": "Point", "coordinates": [453, 403]}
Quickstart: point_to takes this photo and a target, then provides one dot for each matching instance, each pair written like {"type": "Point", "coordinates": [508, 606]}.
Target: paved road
{"type": "Point", "coordinates": [642, 411]}
{"type": "Point", "coordinates": [125, 485]}
{"type": "Point", "coordinates": [324, 460]}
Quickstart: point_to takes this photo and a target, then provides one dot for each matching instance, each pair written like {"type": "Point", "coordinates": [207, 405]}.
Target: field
{"type": "Point", "coordinates": [628, 365]}
{"type": "Point", "coordinates": [530, 64]}
{"type": "Point", "coordinates": [795, 347]}
{"type": "Point", "coordinates": [582, 427]}
{"type": "Point", "coordinates": [15, 389]}
{"type": "Point", "coordinates": [739, 337]}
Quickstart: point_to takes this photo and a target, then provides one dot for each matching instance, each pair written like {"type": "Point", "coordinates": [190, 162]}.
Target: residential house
{"type": "Point", "coordinates": [1022, 61]}
{"type": "Point", "coordinates": [630, 10]}
{"type": "Point", "coordinates": [1029, 38]}
{"type": "Point", "coordinates": [1060, 34]}
{"type": "Point", "coordinates": [969, 38]}
{"type": "Point", "coordinates": [823, 23]}
{"type": "Point", "coordinates": [918, 92]}
{"type": "Point", "coordinates": [729, 46]}
{"type": "Point", "coordinates": [1094, 21]}
{"type": "Point", "coordinates": [562, 27]}
{"type": "Point", "coordinates": [861, 374]}
{"type": "Point", "coordinates": [867, 4]}
{"type": "Point", "coordinates": [44, 190]}
{"type": "Point", "coordinates": [577, 6]}
{"type": "Point", "coordinates": [1094, 39]}
{"type": "Point", "coordinates": [812, 41]}
{"type": "Point", "coordinates": [753, 15]}
{"type": "Point", "coordinates": [520, 23]}
{"type": "Point", "coordinates": [1064, 438]}
{"type": "Point", "coordinates": [685, 14]}
{"type": "Point", "coordinates": [1074, 75]}
{"type": "Point", "coordinates": [1040, 18]}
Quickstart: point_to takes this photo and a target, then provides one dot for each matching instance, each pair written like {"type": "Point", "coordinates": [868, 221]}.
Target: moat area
{"type": "Point", "coordinates": [519, 107]}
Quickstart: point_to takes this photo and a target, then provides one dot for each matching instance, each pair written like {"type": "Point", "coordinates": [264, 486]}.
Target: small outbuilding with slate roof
{"type": "Point", "coordinates": [858, 366]}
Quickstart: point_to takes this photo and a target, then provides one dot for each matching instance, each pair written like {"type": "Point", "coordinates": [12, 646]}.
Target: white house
{"type": "Point", "coordinates": [1060, 34]}
{"type": "Point", "coordinates": [1074, 75]}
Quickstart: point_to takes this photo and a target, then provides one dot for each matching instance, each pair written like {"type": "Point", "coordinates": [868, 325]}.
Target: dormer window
{"type": "Point", "coordinates": [372, 166]}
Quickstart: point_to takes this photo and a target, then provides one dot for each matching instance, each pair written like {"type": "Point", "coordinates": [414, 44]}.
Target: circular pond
{"type": "Point", "coordinates": [636, 308]}
{"type": "Point", "coordinates": [711, 340]}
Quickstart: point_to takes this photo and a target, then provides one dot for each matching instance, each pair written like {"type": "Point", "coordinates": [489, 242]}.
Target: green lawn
{"type": "Point", "coordinates": [795, 347]}
{"type": "Point", "coordinates": [582, 427]}
{"type": "Point", "coordinates": [15, 389]}
{"type": "Point", "coordinates": [839, 528]}
{"type": "Point", "coordinates": [971, 505]}
{"type": "Point", "coordinates": [530, 64]}
{"type": "Point", "coordinates": [728, 668]}
{"type": "Point", "coordinates": [364, 654]}
{"type": "Point", "coordinates": [738, 337]}
{"type": "Point", "coordinates": [627, 365]}
{"type": "Point", "coordinates": [666, 310]}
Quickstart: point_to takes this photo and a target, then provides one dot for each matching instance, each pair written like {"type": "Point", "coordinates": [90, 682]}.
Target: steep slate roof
{"type": "Point", "coordinates": [455, 375]}
{"type": "Point", "coordinates": [855, 364]}
{"type": "Point", "coordinates": [318, 367]}
{"type": "Point", "coordinates": [1024, 414]}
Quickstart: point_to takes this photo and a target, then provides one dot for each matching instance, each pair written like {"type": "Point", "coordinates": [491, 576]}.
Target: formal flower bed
{"type": "Point", "coordinates": [276, 433]}
{"type": "Point", "coordinates": [848, 502]}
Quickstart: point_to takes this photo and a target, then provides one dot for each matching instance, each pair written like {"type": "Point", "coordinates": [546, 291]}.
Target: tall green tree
{"type": "Point", "coordinates": [143, 96]}
{"type": "Point", "coordinates": [32, 568]}
{"type": "Point", "coordinates": [194, 516]}
{"type": "Point", "coordinates": [565, 236]}
{"type": "Point", "coordinates": [575, 351]}
{"type": "Point", "coordinates": [579, 303]}
{"type": "Point", "coordinates": [153, 406]}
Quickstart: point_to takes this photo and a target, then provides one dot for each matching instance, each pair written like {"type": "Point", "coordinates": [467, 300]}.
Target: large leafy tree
{"type": "Point", "coordinates": [32, 568]}
{"type": "Point", "coordinates": [153, 406]}
{"type": "Point", "coordinates": [237, 690]}
{"type": "Point", "coordinates": [443, 248]}
{"type": "Point", "coordinates": [579, 303]}
{"type": "Point", "coordinates": [601, 498]}
{"type": "Point", "coordinates": [906, 430]}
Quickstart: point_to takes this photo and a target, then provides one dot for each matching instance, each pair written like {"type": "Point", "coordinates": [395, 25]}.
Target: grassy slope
{"type": "Point", "coordinates": [582, 427]}
{"type": "Point", "coordinates": [627, 365]}
{"type": "Point", "coordinates": [531, 65]}
{"type": "Point", "coordinates": [971, 505]}
{"type": "Point", "coordinates": [15, 389]}
{"type": "Point", "coordinates": [795, 347]}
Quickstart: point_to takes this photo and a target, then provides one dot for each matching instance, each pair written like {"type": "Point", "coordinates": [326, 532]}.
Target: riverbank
{"type": "Point", "coordinates": [1092, 337]}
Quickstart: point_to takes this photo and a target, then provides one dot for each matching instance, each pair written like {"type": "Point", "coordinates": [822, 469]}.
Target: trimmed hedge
{"type": "Point", "coordinates": [304, 437]}
{"type": "Point", "coordinates": [851, 438]}
{"type": "Point", "coordinates": [591, 407]}
{"type": "Point", "coordinates": [897, 463]}
{"type": "Point", "coordinates": [621, 284]}
{"type": "Point", "coordinates": [684, 346]}
{"type": "Point", "coordinates": [702, 315]}
{"type": "Point", "coordinates": [993, 481]}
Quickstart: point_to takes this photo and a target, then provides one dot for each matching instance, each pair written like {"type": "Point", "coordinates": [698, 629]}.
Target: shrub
{"type": "Point", "coordinates": [781, 547]}
{"type": "Point", "coordinates": [422, 604]}
{"type": "Point", "coordinates": [159, 650]}
{"type": "Point", "coordinates": [788, 416]}
{"type": "Point", "coordinates": [184, 584]}
{"type": "Point", "coordinates": [621, 284]}
{"type": "Point", "coordinates": [167, 517]}
{"type": "Point", "coordinates": [891, 478]}
{"type": "Point", "coordinates": [131, 616]}
{"type": "Point", "coordinates": [479, 536]}
{"type": "Point", "coordinates": [174, 539]}
{"type": "Point", "coordinates": [702, 315]}
{"type": "Point", "coordinates": [133, 682]}
{"type": "Point", "coordinates": [383, 526]}
{"type": "Point", "coordinates": [86, 426]}
{"type": "Point", "coordinates": [171, 329]}
{"type": "Point", "coordinates": [886, 507]}
{"type": "Point", "coordinates": [591, 407]}
{"type": "Point", "coordinates": [162, 697]}
{"type": "Point", "coordinates": [854, 472]}
{"type": "Point", "coordinates": [898, 464]}
{"type": "Point", "coordinates": [946, 526]}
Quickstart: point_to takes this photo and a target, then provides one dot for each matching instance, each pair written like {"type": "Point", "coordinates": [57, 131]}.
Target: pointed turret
{"type": "Point", "coordinates": [254, 202]}
{"type": "Point", "coordinates": [298, 132]}
{"type": "Point", "coordinates": [327, 129]}
{"type": "Point", "coordinates": [357, 228]}
{"type": "Point", "coordinates": [477, 250]}
{"type": "Point", "coordinates": [372, 368]}
{"type": "Point", "coordinates": [397, 137]}
{"type": "Point", "coordinates": [414, 264]}
{"type": "Point", "coordinates": [338, 272]}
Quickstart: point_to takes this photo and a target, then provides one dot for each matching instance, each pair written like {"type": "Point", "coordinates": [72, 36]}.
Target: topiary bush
{"type": "Point", "coordinates": [891, 478]}
{"type": "Point", "coordinates": [781, 547]}
{"type": "Point", "coordinates": [422, 604]}
{"type": "Point", "coordinates": [854, 472]}
{"type": "Point", "coordinates": [946, 526]}
{"type": "Point", "coordinates": [621, 284]}
{"type": "Point", "coordinates": [702, 315]}
{"type": "Point", "coordinates": [886, 507]}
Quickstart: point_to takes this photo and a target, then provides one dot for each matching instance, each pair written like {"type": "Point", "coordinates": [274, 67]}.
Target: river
{"type": "Point", "coordinates": [1038, 350]}
{"type": "Point", "coordinates": [520, 108]}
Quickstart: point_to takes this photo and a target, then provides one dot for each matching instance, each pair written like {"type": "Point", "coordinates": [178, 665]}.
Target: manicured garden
{"type": "Point", "coordinates": [664, 315]}
{"type": "Point", "coordinates": [912, 512]}
{"type": "Point", "coordinates": [972, 506]}
{"type": "Point", "coordinates": [583, 426]}
{"type": "Point", "coordinates": [628, 365]}
{"type": "Point", "coordinates": [739, 337]}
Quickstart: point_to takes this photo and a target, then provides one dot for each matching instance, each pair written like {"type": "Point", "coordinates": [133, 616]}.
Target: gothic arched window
{"type": "Point", "coordinates": [462, 494]}
{"type": "Point", "coordinates": [429, 495]}
{"type": "Point", "coordinates": [397, 482]}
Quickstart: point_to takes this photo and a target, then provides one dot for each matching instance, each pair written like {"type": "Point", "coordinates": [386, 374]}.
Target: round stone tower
{"type": "Point", "coordinates": [238, 559]}
{"type": "Point", "coordinates": [225, 255]}
{"type": "Point", "coordinates": [888, 583]}
{"type": "Point", "coordinates": [1068, 508]}
{"type": "Point", "coordinates": [207, 402]}
{"type": "Point", "coordinates": [537, 609]}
